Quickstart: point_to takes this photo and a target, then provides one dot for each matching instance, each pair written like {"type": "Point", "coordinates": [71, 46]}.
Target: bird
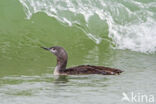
{"type": "Point", "coordinates": [62, 58]}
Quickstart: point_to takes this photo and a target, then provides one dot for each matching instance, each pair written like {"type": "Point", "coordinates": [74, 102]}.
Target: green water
{"type": "Point", "coordinates": [26, 69]}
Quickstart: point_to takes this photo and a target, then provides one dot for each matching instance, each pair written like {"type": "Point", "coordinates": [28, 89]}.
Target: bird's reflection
{"type": "Point", "coordinates": [61, 79]}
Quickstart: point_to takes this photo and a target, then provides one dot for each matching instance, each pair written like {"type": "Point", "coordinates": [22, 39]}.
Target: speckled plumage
{"type": "Point", "coordinates": [89, 69]}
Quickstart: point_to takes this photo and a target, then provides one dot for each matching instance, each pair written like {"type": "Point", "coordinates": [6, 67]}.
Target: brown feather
{"type": "Point", "coordinates": [88, 69]}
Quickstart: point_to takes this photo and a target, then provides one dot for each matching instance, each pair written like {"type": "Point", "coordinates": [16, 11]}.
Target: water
{"type": "Point", "coordinates": [130, 24]}
{"type": "Point", "coordinates": [114, 33]}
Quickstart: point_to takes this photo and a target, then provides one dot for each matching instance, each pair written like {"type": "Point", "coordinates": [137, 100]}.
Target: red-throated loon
{"type": "Point", "coordinates": [62, 58]}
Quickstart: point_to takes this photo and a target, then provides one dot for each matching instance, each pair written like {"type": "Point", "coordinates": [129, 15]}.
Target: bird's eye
{"type": "Point", "coordinates": [53, 49]}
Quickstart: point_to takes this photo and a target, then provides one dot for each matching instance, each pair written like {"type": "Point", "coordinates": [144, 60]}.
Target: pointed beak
{"type": "Point", "coordinates": [46, 48]}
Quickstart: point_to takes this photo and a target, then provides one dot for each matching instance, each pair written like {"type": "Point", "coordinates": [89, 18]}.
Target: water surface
{"type": "Point", "coordinates": [118, 34]}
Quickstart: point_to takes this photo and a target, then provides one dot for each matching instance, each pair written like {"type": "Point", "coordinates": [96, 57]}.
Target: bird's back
{"type": "Point", "coordinates": [89, 69]}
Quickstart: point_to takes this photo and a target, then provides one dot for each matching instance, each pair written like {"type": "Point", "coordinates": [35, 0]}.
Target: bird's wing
{"type": "Point", "coordinates": [88, 69]}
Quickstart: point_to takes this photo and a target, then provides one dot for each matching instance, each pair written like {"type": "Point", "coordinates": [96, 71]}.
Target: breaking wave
{"type": "Point", "coordinates": [126, 24]}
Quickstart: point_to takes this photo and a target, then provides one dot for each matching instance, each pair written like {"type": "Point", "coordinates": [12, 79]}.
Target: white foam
{"type": "Point", "coordinates": [137, 37]}
{"type": "Point", "coordinates": [129, 29]}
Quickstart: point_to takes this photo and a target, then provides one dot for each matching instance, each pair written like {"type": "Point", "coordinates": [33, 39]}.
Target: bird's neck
{"type": "Point", "coordinates": [61, 65]}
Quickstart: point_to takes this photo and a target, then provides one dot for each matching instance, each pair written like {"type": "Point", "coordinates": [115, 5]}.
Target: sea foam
{"type": "Point", "coordinates": [130, 24]}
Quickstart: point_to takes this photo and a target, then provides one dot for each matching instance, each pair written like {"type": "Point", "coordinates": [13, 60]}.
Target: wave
{"type": "Point", "coordinates": [128, 24]}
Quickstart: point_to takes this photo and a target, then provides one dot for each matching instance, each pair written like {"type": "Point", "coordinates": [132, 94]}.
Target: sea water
{"type": "Point", "coordinates": [113, 33]}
